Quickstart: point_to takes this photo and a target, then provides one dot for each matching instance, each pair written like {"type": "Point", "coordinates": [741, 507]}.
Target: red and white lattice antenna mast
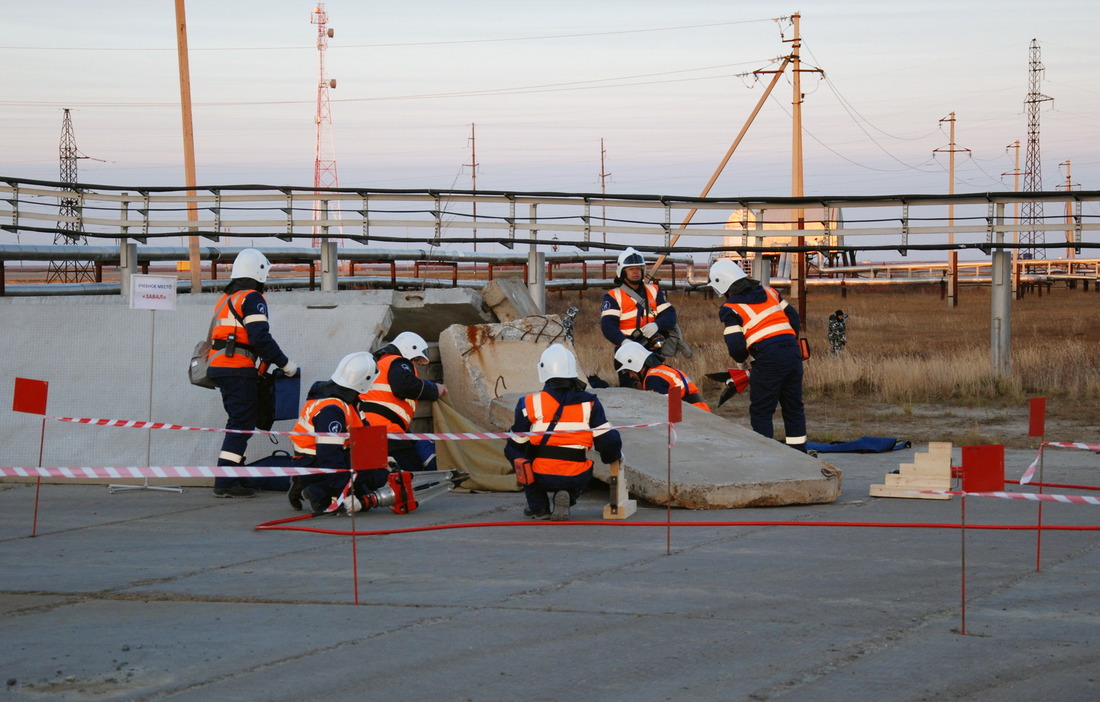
{"type": "Point", "coordinates": [324, 164]}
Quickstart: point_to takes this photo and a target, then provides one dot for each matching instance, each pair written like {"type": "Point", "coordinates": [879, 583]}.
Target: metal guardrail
{"type": "Point", "coordinates": [586, 221]}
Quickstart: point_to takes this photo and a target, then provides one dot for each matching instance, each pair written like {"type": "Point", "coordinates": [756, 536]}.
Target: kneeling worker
{"type": "Point", "coordinates": [332, 407]}
{"type": "Point", "coordinates": [558, 462]}
{"type": "Point", "coordinates": [392, 400]}
{"type": "Point", "coordinates": [656, 375]}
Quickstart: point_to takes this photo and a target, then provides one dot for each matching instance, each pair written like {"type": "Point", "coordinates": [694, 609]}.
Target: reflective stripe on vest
{"type": "Point", "coordinates": [308, 444]}
{"type": "Point", "coordinates": [383, 408]}
{"type": "Point", "coordinates": [676, 377]}
{"type": "Point", "coordinates": [225, 324]}
{"type": "Point", "coordinates": [541, 408]}
{"type": "Point", "coordinates": [761, 320]}
{"type": "Point", "coordinates": [631, 315]}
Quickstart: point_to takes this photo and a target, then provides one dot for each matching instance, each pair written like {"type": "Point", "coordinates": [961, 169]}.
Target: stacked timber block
{"type": "Point", "coordinates": [928, 471]}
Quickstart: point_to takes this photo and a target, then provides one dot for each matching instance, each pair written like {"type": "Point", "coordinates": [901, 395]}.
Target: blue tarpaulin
{"type": "Point", "coordinates": [864, 444]}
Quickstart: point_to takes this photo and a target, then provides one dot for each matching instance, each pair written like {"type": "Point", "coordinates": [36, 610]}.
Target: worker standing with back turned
{"type": "Point", "coordinates": [242, 349]}
{"type": "Point", "coordinates": [761, 332]}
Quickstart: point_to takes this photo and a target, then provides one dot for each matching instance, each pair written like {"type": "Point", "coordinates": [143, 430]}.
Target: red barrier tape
{"type": "Point", "coordinates": [279, 525]}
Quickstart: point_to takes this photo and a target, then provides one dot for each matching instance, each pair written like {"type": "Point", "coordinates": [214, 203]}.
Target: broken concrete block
{"type": "Point", "coordinates": [482, 362]}
{"type": "Point", "coordinates": [509, 299]}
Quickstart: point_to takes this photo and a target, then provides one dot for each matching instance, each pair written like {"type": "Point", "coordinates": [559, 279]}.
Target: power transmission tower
{"type": "Point", "coordinates": [1033, 176]}
{"type": "Point", "coordinates": [324, 164]}
{"type": "Point", "coordinates": [70, 213]}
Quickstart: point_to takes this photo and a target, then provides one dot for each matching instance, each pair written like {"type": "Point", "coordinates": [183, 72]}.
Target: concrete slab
{"type": "Point", "coordinates": [105, 360]}
{"type": "Point", "coordinates": [715, 463]}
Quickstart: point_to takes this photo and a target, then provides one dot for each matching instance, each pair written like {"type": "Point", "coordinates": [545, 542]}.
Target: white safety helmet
{"type": "Point", "coordinates": [356, 371]}
{"type": "Point", "coordinates": [723, 274]}
{"type": "Point", "coordinates": [557, 362]}
{"type": "Point", "coordinates": [628, 259]}
{"type": "Point", "coordinates": [250, 263]}
{"type": "Point", "coordinates": [632, 356]}
{"type": "Point", "coordinates": [411, 345]}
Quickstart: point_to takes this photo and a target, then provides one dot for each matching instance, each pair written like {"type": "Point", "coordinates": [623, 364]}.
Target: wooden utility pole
{"type": "Point", "coordinates": [188, 144]}
{"type": "Point", "coordinates": [798, 269]}
{"type": "Point", "coordinates": [952, 255]}
{"type": "Point", "coordinates": [1070, 253]}
{"type": "Point", "coordinates": [604, 175]}
{"type": "Point", "coordinates": [473, 178]}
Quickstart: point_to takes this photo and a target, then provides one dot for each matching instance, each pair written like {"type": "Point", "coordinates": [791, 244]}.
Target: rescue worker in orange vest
{"type": "Point", "coordinates": [656, 375]}
{"type": "Point", "coordinates": [635, 309]}
{"type": "Point", "coordinates": [393, 398]}
{"type": "Point", "coordinates": [333, 407]}
{"type": "Point", "coordinates": [558, 463]}
{"type": "Point", "coordinates": [761, 332]}
{"type": "Point", "coordinates": [242, 349]}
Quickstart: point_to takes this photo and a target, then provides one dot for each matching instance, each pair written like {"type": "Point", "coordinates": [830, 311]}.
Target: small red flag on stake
{"type": "Point", "coordinates": [1037, 416]}
{"type": "Point", "coordinates": [368, 448]}
{"type": "Point", "coordinates": [675, 405]}
{"type": "Point", "coordinates": [30, 396]}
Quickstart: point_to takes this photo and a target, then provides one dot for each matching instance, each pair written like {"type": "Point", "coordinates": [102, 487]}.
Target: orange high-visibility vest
{"type": "Point", "coordinates": [762, 320]}
{"type": "Point", "coordinates": [308, 444]}
{"type": "Point", "coordinates": [541, 408]}
{"type": "Point", "coordinates": [675, 377]}
{"type": "Point", "coordinates": [382, 407]}
{"type": "Point", "coordinates": [225, 324]}
{"type": "Point", "coordinates": [631, 315]}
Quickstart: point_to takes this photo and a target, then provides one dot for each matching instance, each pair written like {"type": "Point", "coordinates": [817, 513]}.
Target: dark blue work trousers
{"type": "Point", "coordinates": [538, 492]}
{"type": "Point", "coordinates": [240, 398]}
{"type": "Point", "coordinates": [777, 380]}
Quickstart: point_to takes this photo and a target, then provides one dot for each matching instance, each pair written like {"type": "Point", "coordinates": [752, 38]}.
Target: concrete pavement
{"type": "Point", "coordinates": [152, 595]}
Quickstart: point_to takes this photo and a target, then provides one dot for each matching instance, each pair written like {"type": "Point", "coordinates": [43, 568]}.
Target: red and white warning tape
{"type": "Point", "coordinates": [124, 472]}
{"type": "Point", "coordinates": [135, 424]}
{"type": "Point", "coordinates": [1030, 472]}
{"type": "Point", "coordinates": [1030, 496]}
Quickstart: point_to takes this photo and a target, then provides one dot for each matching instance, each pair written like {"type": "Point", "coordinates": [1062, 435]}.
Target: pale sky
{"type": "Point", "coordinates": [660, 82]}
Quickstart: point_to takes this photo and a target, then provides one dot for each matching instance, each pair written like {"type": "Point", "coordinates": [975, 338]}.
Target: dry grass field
{"type": "Point", "coordinates": [913, 368]}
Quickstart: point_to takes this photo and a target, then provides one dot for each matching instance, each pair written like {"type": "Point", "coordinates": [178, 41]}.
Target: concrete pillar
{"type": "Point", "coordinates": [536, 278]}
{"type": "Point", "coordinates": [1001, 306]}
{"type": "Point", "coordinates": [330, 266]}
{"type": "Point", "coordinates": [127, 266]}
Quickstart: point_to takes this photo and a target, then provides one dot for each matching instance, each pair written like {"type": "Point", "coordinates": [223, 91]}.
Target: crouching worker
{"type": "Point", "coordinates": [392, 400]}
{"type": "Point", "coordinates": [332, 407]}
{"type": "Point", "coordinates": [654, 374]}
{"type": "Point", "coordinates": [557, 463]}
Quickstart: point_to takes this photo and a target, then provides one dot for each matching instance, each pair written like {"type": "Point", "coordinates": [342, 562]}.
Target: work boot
{"type": "Point", "coordinates": [540, 515]}
{"type": "Point", "coordinates": [234, 491]}
{"type": "Point", "coordinates": [561, 506]}
{"type": "Point", "coordinates": [318, 500]}
{"type": "Point", "coordinates": [294, 494]}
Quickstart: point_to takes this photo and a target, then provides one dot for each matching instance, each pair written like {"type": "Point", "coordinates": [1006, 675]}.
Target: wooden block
{"type": "Point", "coordinates": [910, 481]}
{"type": "Point", "coordinates": [621, 506]}
{"type": "Point", "coordinates": [928, 471]}
{"type": "Point", "coordinates": [911, 493]}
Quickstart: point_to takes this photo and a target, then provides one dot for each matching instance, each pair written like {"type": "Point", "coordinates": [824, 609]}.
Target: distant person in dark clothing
{"type": "Point", "coordinates": [838, 332]}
